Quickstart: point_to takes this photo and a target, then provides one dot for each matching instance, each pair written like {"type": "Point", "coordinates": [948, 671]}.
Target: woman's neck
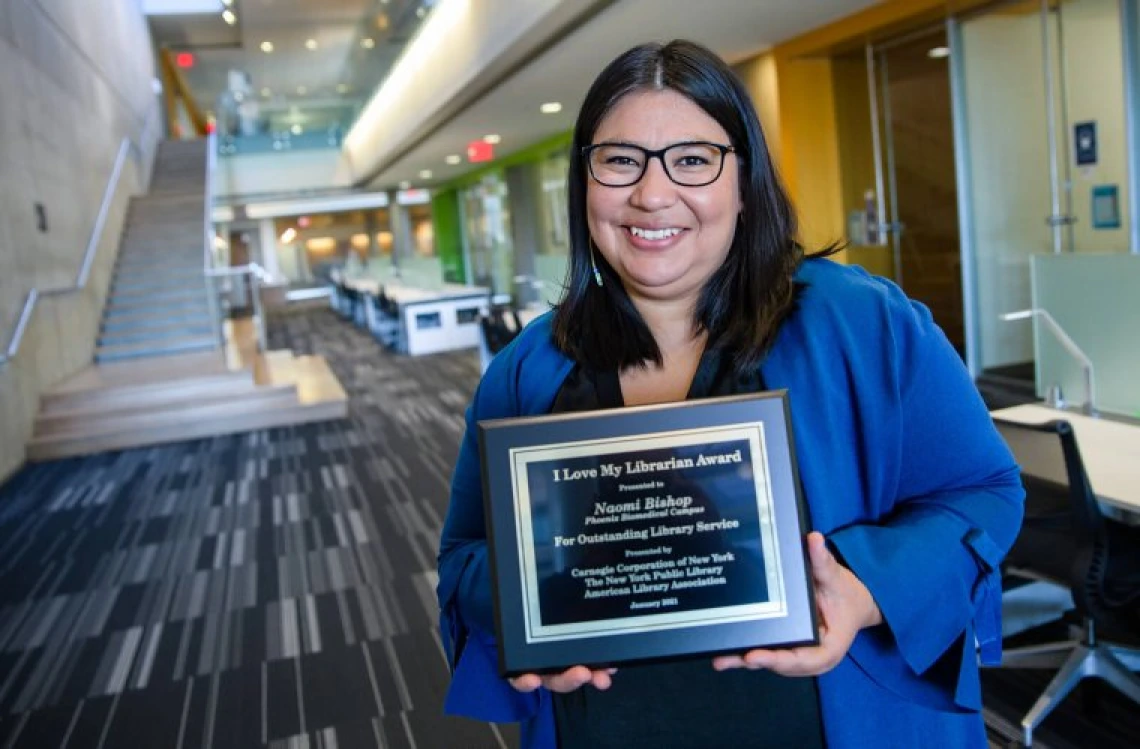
{"type": "Point", "coordinates": [672, 327]}
{"type": "Point", "coordinates": [671, 323]}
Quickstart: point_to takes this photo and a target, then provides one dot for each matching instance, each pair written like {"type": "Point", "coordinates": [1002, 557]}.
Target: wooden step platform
{"type": "Point", "coordinates": [128, 405]}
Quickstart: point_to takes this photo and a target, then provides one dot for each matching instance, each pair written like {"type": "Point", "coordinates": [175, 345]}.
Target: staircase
{"type": "Point", "coordinates": [158, 304]}
{"type": "Point", "coordinates": [160, 372]}
{"type": "Point", "coordinates": [179, 397]}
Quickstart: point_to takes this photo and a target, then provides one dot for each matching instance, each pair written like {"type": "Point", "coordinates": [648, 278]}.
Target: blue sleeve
{"type": "Point", "coordinates": [931, 563]}
{"type": "Point", "coordinates": [464, 589]}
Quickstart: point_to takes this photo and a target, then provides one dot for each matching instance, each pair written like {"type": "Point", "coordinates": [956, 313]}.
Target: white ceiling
{"type": "Point", "coordinates": [736, 29]}
{"type": "Point", "coordinates": [337, 26]}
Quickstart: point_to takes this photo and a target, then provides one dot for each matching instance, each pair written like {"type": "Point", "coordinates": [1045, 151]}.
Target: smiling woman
{"type": "Point", "coordinates": [687, 281]}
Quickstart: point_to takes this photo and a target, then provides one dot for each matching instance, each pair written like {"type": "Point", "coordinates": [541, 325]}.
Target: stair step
{"type": "Point", "coordinates": [146, 395]}
{"type": "Point", "coordinates": [158, 332]}
{"type": "Point", "coordinates": [151, 258]}
{"type": "Point", "coordinates": [154, 319]}
{"type": "Point", "coordinates": [160, 290]}
{"type": "Point", "coordinates": [180, 345]}
{"type": "Point", "coordinates": [61, 446]}
{"type": "Point", "coordinates": [130, 382]}
{"type": "Point", "coordinates": [244, 398]}
{"type": "Point", "coordinates": [173, 295]}
{"type": "Point", "coordinates": [142, 277]}
{"type": "Point", "coordinates": [161, 307]}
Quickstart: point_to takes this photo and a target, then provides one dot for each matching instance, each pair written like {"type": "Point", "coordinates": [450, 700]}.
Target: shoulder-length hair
{"type": "Point", "coordinates": [743, 303]}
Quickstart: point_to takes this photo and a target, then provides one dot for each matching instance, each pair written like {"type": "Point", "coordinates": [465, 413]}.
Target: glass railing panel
{"type": "Point", "coordinates": [1094, 299]}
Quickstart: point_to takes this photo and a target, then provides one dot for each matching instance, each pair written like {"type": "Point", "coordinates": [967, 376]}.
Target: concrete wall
{"type": "Point", "coordinates": [73, 84]}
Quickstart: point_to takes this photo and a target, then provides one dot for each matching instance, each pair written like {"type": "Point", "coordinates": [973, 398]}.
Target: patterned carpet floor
{"type": "Point", "coordinates": [269, 589]}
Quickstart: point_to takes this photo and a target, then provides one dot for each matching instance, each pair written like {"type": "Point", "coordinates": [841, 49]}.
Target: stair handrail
{"type": "Point", "coordinates": [84, 273]}
{"type": "Point", "coordinates": [214, 307]}
{"type": "Point", "coordinates": [256, 273]}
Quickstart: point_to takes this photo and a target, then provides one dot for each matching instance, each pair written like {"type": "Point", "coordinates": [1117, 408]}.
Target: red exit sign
{"type": "Point", "coordinates": [479, 150]}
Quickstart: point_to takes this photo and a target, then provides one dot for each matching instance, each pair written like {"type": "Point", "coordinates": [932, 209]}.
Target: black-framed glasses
{"type": "Point", "coordinates": [689, 164]}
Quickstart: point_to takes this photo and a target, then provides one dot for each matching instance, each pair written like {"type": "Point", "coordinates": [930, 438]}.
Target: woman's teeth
{"type": "Point", "coordinates": [653, 234]}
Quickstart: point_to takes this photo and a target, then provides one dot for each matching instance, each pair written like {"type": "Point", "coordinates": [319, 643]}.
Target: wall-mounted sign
{"type": "Point", "coordinates": [480, 150]}
{"type": "Point", "coordinates": [413, 197]}
{"type": "Point", "coordinates": [1105, 207]}
{"type": "Point", "coordinates": [1084, 143]}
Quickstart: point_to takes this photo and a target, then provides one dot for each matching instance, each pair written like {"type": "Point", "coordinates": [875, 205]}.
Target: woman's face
{"type": "Point", "coordinates": [663, 239]}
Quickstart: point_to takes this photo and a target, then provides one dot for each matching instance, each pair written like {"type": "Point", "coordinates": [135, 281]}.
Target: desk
{"type": "Point", "coordinates": [1110, 450]}
{"type": "Point", "coordinates": [432, 320]}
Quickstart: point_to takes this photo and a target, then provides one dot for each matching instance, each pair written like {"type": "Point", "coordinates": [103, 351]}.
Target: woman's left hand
{"type": "Point", "coordinates": [845, 607]}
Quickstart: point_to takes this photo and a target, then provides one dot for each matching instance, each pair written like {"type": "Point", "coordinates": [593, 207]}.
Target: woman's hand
{"type": "Point", "coordinates": [567, 681]}
{"type": "Point", "coordinates": [845, 607]}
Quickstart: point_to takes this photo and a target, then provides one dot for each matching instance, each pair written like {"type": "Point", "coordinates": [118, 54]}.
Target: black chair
{"type": "Point", "coordinates": [385, 320]}
{"type": "Point", "coordinates": [500, 326]}
{"type": "Point", "coordinates": [1066, 539]}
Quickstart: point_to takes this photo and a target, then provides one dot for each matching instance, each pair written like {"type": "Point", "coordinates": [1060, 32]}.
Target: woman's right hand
{"type": "Point", "coordinates": [572, 678]}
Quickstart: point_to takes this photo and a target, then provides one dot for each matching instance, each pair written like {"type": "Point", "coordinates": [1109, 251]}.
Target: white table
{"type": "Point", "coordinates": [1110, 450]}
{"type": "Point", "coordinates": [433, 320]}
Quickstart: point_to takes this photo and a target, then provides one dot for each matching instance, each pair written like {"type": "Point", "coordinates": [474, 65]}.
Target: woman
{"type": "Point", "coordinates": [686, 281]}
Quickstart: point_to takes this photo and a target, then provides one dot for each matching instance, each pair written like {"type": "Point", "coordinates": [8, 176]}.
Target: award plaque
{"type": "Point", "coordinates": [646, 533]}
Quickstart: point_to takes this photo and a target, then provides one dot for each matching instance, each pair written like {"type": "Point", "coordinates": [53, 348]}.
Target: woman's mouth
{"type": "Point", "coordinates": [654, 235]}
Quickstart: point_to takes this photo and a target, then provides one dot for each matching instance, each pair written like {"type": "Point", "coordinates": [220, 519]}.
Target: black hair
{"type": "Point", "coordinates": [743, 303]}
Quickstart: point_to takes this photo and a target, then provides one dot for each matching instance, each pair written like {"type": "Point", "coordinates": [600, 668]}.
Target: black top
{"type": "Point", "coordinates": [684, 704]}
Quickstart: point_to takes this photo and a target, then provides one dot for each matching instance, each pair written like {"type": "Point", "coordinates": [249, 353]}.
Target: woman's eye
{"type": "Point", "coordinates": [692, 160]}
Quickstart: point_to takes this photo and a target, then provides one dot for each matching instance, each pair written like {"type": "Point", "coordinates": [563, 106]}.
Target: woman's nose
{"type": "Point", "coordinates": [654, 189]}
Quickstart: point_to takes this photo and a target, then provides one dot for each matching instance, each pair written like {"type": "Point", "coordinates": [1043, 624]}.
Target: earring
{"type": "Point", "coordinates": [594, 265]}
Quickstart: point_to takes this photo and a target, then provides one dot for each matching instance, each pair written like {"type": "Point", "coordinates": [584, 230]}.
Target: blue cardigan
{"type": "Point", "coordinates": [902, 471]}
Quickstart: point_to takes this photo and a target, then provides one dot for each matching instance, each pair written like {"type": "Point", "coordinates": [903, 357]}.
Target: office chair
{"type": "Point", "coordinates": [1066, 539]}
{"type": "Point", "coordinates": [500, 326]}
{"type": "Point", "coordinates": [384, 320]}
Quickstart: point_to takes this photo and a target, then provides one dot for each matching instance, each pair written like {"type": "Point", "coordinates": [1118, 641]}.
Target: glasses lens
{"type": "Point", "coordinates": [693, 164]}
{"type": "Point", "coordinates": [616, 165]}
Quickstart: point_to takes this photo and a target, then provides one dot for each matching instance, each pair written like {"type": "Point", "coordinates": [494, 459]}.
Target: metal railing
{"type": "Point", "coordinates": [257, 275]}
{"type": "Point", "coordinates": [208, 242]}
{"type": "Point", "coordinates": [84, 273]}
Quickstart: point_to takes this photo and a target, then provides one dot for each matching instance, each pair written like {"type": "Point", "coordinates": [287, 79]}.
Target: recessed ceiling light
{"type": "Point", "coordinates": [267, 47]}
{"type": "Point", "coordinates": [405, 185]}
{"type": "Point", "coordinates": [453, 159]}
{"type": "Point", "coordinates": [302, 90]}
{"type": "Point", "coordinates": [296, 130]}
{"type": "Point", "coordinates": [342, 88]}
{"type": "Point", "coordinates": [938, 52]}
{"type": "Point", "coordinates": [310, 44]}
{"type": "Point", "coordinates": [229, 17]}
{"type": "Point", "coordinates": [551, 107]}
{"type": "Point", "coordinates": [266, 93]}
{"type": "Point", "coordinates": [425, 174]}
{"type": "Point", "coordinates": [227, 3]}
{"type": "Point", "coordinates": [493, 138]}
{"type": "Point", "coordinates": [421, 11]}
{"type": "Point", "coordinates": [368, 42]}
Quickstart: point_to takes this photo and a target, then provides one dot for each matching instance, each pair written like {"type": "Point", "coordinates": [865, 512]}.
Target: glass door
{"type": "Point", "coordinates": [1039, 112]}
{"type": "Point", "coordinates": [915, 184]}
{"type": "Point", "coordinates": [486, 234]}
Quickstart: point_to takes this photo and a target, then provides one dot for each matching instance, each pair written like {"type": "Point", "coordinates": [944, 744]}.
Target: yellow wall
{"type": "Point", "coordinates": [804, 81]}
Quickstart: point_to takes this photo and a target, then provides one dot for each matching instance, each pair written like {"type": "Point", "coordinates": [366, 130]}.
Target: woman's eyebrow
{"type": "Point", "coordinates": [681, 142]}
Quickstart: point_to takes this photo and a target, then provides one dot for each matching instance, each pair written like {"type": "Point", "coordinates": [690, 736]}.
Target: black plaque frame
{"type": "Point", "coordinates": [734, 455]}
